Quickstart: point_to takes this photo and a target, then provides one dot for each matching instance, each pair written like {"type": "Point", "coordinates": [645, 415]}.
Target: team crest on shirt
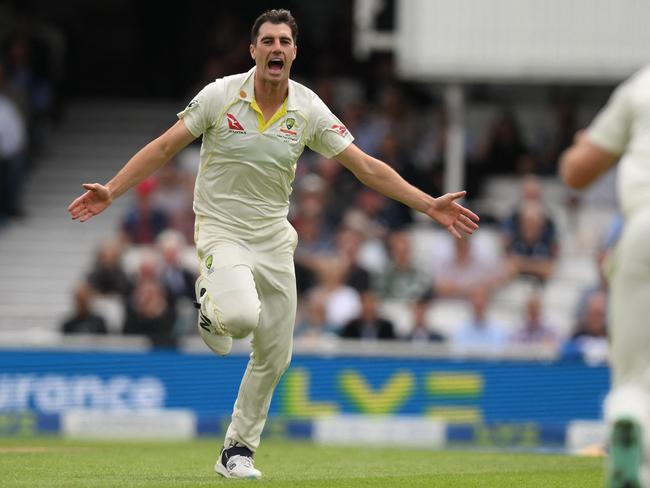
{"type": "Point", "coordinates": [289, 130]}
{"type": "Point", "coordinates": [208, 261]}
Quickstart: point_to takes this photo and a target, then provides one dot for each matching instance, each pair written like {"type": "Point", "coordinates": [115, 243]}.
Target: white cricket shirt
{"type": "Point", "coordinates": [247, 165]}
{"type": "Point", "coordinates": [623, 127]}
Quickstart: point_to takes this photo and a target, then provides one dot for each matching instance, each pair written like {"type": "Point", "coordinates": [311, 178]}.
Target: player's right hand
{"type": "Point", "coordinates": [96, 199]}
{"type": "Point", "coordinates": [452, 215]}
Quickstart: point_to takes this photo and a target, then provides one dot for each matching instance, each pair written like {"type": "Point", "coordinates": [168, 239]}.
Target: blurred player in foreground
{"type": "Point", "coordinates": [255, 125]}
{"type": "Point", "coordinates": [621, 132]}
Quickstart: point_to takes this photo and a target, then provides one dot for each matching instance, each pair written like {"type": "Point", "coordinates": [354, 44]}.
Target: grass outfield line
{"type": "Point", "coordinates": [52, 462]}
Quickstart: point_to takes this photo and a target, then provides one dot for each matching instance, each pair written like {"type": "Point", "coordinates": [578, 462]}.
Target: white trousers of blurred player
{"type": "Point", "coordinates": [251, 280]}
{"type": "Point", "coordinates": [629, 322]}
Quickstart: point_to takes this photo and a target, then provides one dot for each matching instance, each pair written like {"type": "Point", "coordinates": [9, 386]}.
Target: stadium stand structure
{"type": "Point", "coordinates": [43, 256]}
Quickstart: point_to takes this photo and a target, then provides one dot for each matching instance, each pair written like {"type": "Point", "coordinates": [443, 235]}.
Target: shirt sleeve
{"type": "Point", "coordinates": [327, 135]}
{"type": "Point", "coordinates": [612, 126]}
{"type": "Point", "coordinates": [204, 109]}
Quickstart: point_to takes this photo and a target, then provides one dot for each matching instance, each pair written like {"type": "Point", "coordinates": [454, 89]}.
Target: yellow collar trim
{"type": "Point", "coordinates": [261, 125]}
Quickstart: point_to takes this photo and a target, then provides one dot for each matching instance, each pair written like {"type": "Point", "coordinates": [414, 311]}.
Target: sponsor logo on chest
{"type": "Point", "coordinates": [234, 125]}
{"type": "Point", "coordinates": [286, 129]}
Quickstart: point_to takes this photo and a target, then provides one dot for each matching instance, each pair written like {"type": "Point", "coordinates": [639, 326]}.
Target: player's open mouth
{"type": "Point", "coordinates": [275, 64]}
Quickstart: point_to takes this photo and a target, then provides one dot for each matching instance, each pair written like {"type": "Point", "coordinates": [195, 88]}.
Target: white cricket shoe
{"type": "Point", "coordinates": [212, 335]}
{"type": "Point", "coordinates": [237, 466]}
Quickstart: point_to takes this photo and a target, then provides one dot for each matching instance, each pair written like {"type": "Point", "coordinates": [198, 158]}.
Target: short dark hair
{"type": "Point", "coordinates": [275, 16]}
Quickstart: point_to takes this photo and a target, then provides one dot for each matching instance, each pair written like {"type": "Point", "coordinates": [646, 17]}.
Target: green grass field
{"type": "Point", "coordinates": [52, 462]}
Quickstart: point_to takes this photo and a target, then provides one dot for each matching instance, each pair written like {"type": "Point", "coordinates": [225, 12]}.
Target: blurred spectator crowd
{"type": "Point", "coordinates": [32, 56]}
{"type": "Point", "coordinates": [367, 267]}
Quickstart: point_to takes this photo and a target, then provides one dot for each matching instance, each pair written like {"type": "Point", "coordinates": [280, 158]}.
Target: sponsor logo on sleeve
{"type": "Point", "coordinates": [340, 129]}
{"type": "Point", "coordinates": [193, 104]}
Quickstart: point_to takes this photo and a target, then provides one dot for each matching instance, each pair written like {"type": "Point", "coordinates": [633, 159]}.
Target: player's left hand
{"type": "Point", "coordinates": [452, 215]}
{"type": "Point", "coordinates": [96, 199]}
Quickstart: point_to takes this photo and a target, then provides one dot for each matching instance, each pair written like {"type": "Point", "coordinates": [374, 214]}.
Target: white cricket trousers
{"type": "Point", "coordinates": [629, 323]}
{"type": "Point", "coordinates": [251, 280]}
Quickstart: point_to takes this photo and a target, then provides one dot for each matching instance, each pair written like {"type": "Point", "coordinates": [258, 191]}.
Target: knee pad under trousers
{"type": "Point", "coordinates": [236, 312]}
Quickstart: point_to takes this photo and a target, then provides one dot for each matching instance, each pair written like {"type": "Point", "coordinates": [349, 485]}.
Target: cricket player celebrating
{"type": "Point", "coordinates": [621, 132]}
{"type": "Point", "coordinates": [255, 125]}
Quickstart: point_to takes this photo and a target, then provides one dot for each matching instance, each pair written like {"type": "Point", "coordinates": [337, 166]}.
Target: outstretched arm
{"type": "Point", "coordinates": [584, 162]}
{"type": "Point", "coordinates": [98, 197]}
{"type": "Point", "coordinates": [380, 177]}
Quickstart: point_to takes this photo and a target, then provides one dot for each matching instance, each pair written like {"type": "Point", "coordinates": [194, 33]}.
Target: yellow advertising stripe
{"type": "Point", "coordinates": [388, 399]}
{"type": "Point", "coordinates": [455, 384]}
{"type": "Point", "coordinates": [456, 415]}
{"type": "Point", "coordinates": [296, 402]}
